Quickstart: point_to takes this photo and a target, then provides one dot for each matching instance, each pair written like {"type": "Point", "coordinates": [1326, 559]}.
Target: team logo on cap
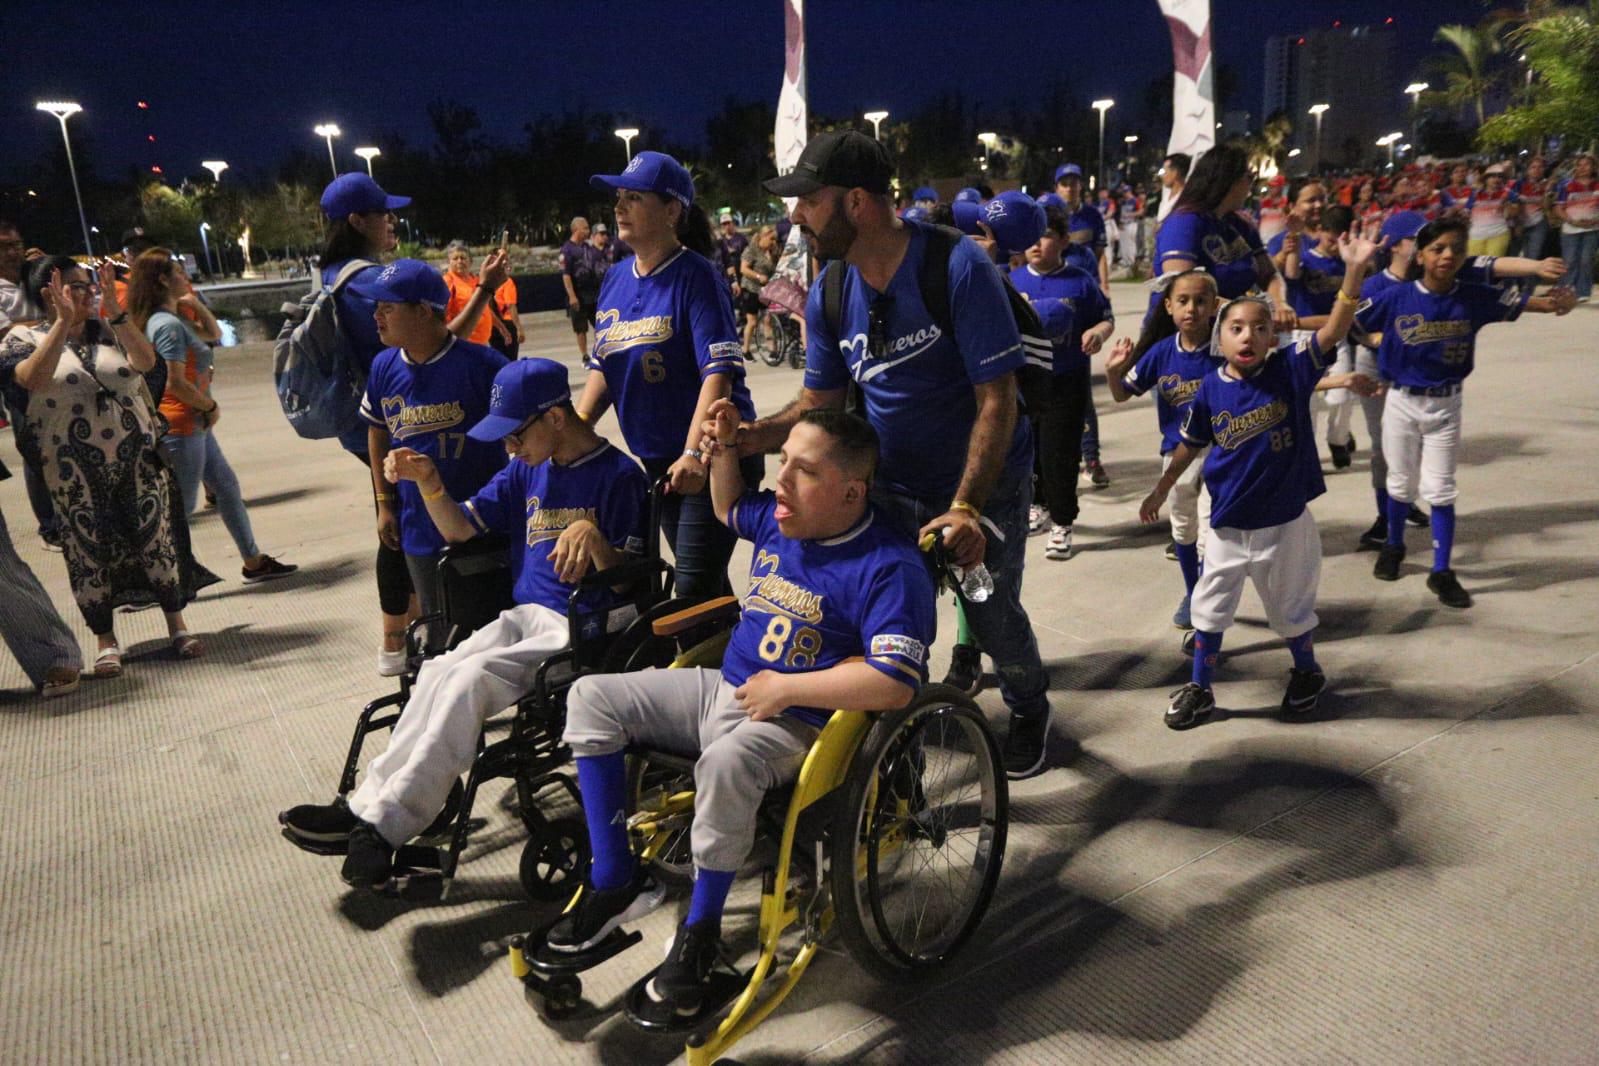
{"type": "Point", "coordinates": [496, 395]}
{"type": "Point", "coordinates": [633, 164]}
{"type": "Point", "coordinates": [388, 273]}
{"type": "Point", "coordinates": [995, 210]}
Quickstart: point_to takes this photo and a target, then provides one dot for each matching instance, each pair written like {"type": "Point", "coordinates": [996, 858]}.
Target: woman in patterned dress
{"type": "Point", "coordinates": [94, 428]}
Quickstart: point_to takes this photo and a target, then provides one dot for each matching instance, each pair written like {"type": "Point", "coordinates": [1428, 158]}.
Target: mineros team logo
{"type": "Point", "coordinates": [388, 274]}
{"type": "Point", "coordinates": [612, 335]}
{"type": "Point", "coordinates": [1220, 250]}
{"type": "Point", "coordinates": [1415, 329]}
{"type": "Point", "coordinates": [771, 594]}
{"type": "Point", "coordinates": [549, 523]}
{"type": "Point", "coordinates": [995, 210]}
{"type": "Point", "coordinates": [1177, 391]}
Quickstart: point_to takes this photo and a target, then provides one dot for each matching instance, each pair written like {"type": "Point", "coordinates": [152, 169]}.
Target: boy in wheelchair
{"type": "Point", "coordinates": [577, 504]}
{"type": "Point", "coordinates": [832, 581]}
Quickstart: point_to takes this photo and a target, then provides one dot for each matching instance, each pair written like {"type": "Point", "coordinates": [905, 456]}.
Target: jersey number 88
{"type": "Point", "coordinates": [802, 652]}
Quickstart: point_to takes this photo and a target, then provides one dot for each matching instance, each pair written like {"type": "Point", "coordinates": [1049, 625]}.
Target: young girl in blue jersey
{"type": "Point", "coordinates": [1311, 274]}
{"type": "Point", "coordinates": [1261, 470]}
{"type": "Point", "coordinates": [665, 348]}
{"type": "Point", "coordinates": [1426, 336]}
{"type": "Point", "coordinates": [832, 579]}
{"type": "Point", "coordinates": [1174, 368]}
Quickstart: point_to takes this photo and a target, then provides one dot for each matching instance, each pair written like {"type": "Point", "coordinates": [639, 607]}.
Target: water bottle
{"type": "Point", "coordinates": [977, 584]}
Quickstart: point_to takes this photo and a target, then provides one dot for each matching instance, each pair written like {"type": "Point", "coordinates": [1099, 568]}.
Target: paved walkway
{"type": "Point", "coordinates": [1410, 878]}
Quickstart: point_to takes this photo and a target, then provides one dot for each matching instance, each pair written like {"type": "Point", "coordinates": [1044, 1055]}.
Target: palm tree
{"type": "Point", "coordinates": [1468, 71]}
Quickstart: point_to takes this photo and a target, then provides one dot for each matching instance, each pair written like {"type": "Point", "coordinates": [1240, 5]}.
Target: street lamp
{"type": "Point", "coordinates": [328, 131]}
{"type": "Point", "coordinates": [1388, 141]}
{"type": "Point", "coordinates": [1102, 106]}
{"type": "Point", "coordinates": [205, 244]}
{"type": "Point", "coordinates": [63, 110]}
{"type": "Point", "coordinates": [216, 167]}
{"type": "Point", "coordinates": [1130, 140]}
{"type": "Point", "coordinates": [987, 140]}
{"type": "Point", "coordinates": [1415, 89]}
{"type": "Point", "coordinates": [1318, 110]}
{"type": "Point", "coordinates": [368, 154]}
{"type": "Point", "coordinates": [876, 119]}
{"type": "Point", "coordinates": [627, 134]}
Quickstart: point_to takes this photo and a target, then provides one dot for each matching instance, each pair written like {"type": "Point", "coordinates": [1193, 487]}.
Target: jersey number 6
{"type": "Point", "coordinates": [654, 368]}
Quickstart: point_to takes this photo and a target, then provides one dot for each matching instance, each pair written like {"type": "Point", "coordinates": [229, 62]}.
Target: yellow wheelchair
{"type": "Point", "coordinates": [894, 832]}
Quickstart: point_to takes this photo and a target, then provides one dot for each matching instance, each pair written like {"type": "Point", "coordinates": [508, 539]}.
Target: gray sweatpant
{"type": "Point", "coordinates": [29, 623]}
{"type": "Point", "coordinates": [686, 712]}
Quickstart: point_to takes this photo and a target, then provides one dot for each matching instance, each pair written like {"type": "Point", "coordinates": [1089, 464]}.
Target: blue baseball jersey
{"type": "Point", "coordinates": [1086, 226]}
{"type": "Point", "coordinates": [1225, 247]}
{"type": "Point", "coordinates": [1069, 302]}
{"type": "Point", "coordinates": [429, 407]}
{"type": "Point", "coordinates": [1479, 270]}
{"type": "Point", "coordinates": [1175, 374]}
{"type": "Point", "coordinates": [1430, 339]}
{"type": "Point", "coordinates": [916, 381]}
{"type": "Point", "coordinates": [656, 339]}
{"type": "Point", "coordinates": [536, 504]}
{"type": "Point", "coordinates": [1262, 468]}
{"type": "Point", "coordinates": [1313, 292]}
{"type": "Point", "coordinates": [812, 604]}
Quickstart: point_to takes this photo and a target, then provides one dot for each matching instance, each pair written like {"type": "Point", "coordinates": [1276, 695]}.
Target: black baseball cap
{"type": "Point", "coordinates": [845, 158]}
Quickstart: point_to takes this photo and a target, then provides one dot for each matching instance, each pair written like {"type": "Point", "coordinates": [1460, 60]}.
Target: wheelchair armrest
{"type": "Point", "coordinates": [624, 573]}
{"type": "Point", "coordinates": [721, 609]}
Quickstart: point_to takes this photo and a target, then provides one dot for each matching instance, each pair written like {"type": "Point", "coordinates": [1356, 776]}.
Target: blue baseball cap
{"type": "Point", "coordinates": [406, 281]}
{"type": "Point", "coordinates": [926, 192]}
{"type": "Point", "coordinates": [915, 214]}
{"type": "Point", "coordinates": [522, 389]}
{"type": "Point", "coordinates": [1066, 170]}
{"type": "Point", "coordinates": [654, 172]}
{"type": "Point", "coordinates": [357, 194]}
{"type": "Point", "coordinates": [1053, 199]}
{"type": "Point", "coordinates": [1015, 219]}
{"type": "Point", "coordinates": [968, 195]}
{"type": "Point", "coordinates": [1402, 225]}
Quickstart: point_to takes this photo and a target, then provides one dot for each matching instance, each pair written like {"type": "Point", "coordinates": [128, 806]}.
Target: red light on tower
{"type": "Point", "coordinates": [1300, 41]}
{"type": "Point", "coordinates": [1338, 23]}
{"type": "Point", "coordinates": [150, 138]}
{"type": "Point", "coordinates": [143, 106]}
{"type": "Point", "coordinates": [156, 170]}
{"type": "Point", "coordinates": [1389, 21]}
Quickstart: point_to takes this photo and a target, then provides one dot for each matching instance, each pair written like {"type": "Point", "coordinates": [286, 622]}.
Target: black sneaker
{"type": "Point", "coordinates": [1189, 706]}
{"type": "Point", "coordinates": [1374, 538]}
{"type": "Point", "coordinates": [1417, 517]}
{"type": "Point", "coordinates": [1387, 568]}
{"type": "Point", "coordinates": [1447, 586]}
{"type": "Point", "coordinates": [1171, 550]}
{"type": "Point", "coordinates": [679, 985]}
{"type": "Point", "coordinates": [965, 669]}
{"type": "Point", "coordinates": [270, 568]}
{"type": "Point", "coordinates": [369, 860]}
{"type": "Point", "coordinates": [320, 823]}
{"type": "Point", "coordinates": [1025, 744]}
{"type": "Point", "coordinates": [1340, 455]}
{"type": "Point", "coordinates": [1304, 689]}
{"type": "Point", "coordinates": [600, 913]}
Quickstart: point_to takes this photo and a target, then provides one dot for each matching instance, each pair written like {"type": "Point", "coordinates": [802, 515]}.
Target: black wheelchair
{"type": "Point", "coordinates": [894, 831]}
{"type": "Point", "coordinates": [474, 586]}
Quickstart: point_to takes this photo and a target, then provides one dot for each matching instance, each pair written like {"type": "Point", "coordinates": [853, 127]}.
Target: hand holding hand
{"type": "Point", "coordinates": [1551, 269]}
{"type": "Point", "coordinates": [1564, 298]}
{"type": "Point", "coordinates": [687, 475]}
{"type": "Point", "coordinates": [1362, 384]}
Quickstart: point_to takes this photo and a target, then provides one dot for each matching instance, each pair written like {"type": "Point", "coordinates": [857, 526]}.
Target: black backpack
{"type": "Point", "coordinates": [933, 282]}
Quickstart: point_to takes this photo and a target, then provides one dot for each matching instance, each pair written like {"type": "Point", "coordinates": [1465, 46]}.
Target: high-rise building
{"type": "Point", "coordinates": [1353, 70]}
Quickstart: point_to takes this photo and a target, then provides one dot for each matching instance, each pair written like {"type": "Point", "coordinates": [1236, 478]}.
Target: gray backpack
{"type": "Point", "coordinates": [316, 373]}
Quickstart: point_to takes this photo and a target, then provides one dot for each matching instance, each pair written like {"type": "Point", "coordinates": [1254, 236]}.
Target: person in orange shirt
{"type": "Point", "coordinates": [508, 336]}
{"type": "Point", "coordinates": [462, 283]}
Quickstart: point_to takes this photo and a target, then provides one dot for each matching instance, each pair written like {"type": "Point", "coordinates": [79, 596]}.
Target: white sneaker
{"type": "Point", "coordinates": [1059, 545]}
{"type": "Point", "coordinates": [1037, 519]}
{"type": "Point", "coordinates": [391, 663]}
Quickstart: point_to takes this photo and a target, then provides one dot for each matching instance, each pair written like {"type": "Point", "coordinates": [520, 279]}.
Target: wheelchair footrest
{"type": "Point", "coordinates": [338, 848]}
{"type": "Point", "coordinates": [722, 986]}
{"type": "Point", "coordinates": [418, 860]}
{"type": "Point", "coordinates": [544, 959]}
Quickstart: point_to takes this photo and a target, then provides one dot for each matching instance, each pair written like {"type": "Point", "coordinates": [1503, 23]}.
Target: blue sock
{"type": "Point", "coordinates": [602, 780]}
{"type": "Point", "coordinates": [1443, 535]}
{"type": "Point", "coordinates": [1188, 562]}
{"type": "Point", "coordinates": [1397, 511]}
{"type": "Point", "coordinates": [1206, 647]}
{"type": "Point", "coordinates": [710, 895]}
{"type": "Point", "coordinates": [1303, 648]}
{"type": "Point", "coordinates": [1382, 504]}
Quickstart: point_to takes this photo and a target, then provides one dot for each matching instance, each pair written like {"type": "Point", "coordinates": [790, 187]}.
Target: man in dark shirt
{"type": "Point", "coordinates": [730, 245]}
{"type": "Point", "coordinates": [582, 267]}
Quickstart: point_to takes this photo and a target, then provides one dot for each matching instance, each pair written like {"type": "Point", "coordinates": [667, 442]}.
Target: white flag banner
{"type": "Point", "coordinates": [791, 111]}
{"type": "Point", "coordinates": [1193, 101]}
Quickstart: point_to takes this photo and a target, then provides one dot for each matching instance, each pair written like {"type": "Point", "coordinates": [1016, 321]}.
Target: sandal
{"type": "Point", "coordinates": [186, 646]}
{"type": "Point", "coordinates": [108, 663]}
{"type": "Point", "coordinates": [60, 681]}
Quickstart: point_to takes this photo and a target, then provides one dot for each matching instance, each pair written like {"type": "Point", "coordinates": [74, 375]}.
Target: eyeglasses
{"type": "Point", "coordinates": [516, 435]}
{"type": "Point", "coordinates": [877, 326]}
{"type": "Point", "coordinates": [83, 288]}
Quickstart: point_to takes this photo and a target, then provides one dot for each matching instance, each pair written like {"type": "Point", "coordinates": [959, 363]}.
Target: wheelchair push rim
{"type": "Point", "coordinates": [918, 851]}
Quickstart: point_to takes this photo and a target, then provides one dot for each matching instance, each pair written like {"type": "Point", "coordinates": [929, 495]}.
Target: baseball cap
{"type": "Point", "coordinates": [406, 281]}
{"type": "Point", "coordinates": [915, 214]}
{"type": "Point", "coordinates": [725, 215]}
{"type": "Point", "coordinates": [1402, 225]}
{"type": "Point", "coordinates": [654, 172]}
{"type": "Point", "coordinates": [1066, 170]}
{"type": "Point", "coordinates": [925, 192]}
{"type": "Point", "coordinates": [599, 227]}
{"type": "Point", "coordinates": [838, 157]}
{"type": "Point", "coordinates": [1051, 199]}
{"type": "Point", "coordinates": [968, 195]}
{"type": "Point", "coordinates": [522, 389]}
{"type": "Point", "coordinates": [357, 194]}
{"type": "Point", "coordinates": [1015, 219]}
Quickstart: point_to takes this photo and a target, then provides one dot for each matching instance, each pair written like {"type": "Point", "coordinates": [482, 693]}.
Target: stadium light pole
{"type": "Point", "coordinates": [627, 134]}
{"type": "Point", "coordinates": [876, 119]}
{"type": "Point", "coordinates": [987, 140]}
{"type": "Point", "coordinates": [216, 167]}
{"type": "Point", "coordinates": [1102, 106]}
{"type": "Point", "coordinates": [1318, 110]}
{"type": "Point", "coordinates": [1388, 140]}
{"type": "Point", "coordinates": [328, 131]}
{"type": "Point", "coordinates": [1130, 140]}
{"type": "Point", "coordinates": [1415, 89]}
{"type": "Point", "coordinates": [368, 153]}
{"type": "Point", "coordinates": [63, 110]}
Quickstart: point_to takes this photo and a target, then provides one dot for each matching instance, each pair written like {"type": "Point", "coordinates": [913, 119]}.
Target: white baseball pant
{"type": "Point", "coordinates": [1283, 562]}
{"type": "Point", "coordinates": [435, 740]}
{"type": "Point", "coordinates": [1340, 402]}
{"type": "Point", "coordinates": [1190, 503]}
{"type": "Point", "coordinates": [1420, 438]}
{"type": "Point", "coordinates": [1371, 410]}
{"type": "Point", "coordinates": [1129, 242]}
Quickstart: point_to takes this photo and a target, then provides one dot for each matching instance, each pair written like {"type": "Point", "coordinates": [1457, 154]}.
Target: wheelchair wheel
{"type": "Point", "coordinates": [555, 859]}
{"type": "Point", "coordinates": [796, 348]}
{"type": "Point", "coordinates": [915, 850]}
{"type": "Point", "coordinates": [647, 782]}
{"type": "Point", "coordinates": [769, 342]}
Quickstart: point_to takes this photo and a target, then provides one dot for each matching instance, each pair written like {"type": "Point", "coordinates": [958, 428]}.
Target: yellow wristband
{"type": "Point", "coordinates": [962, 505]}
{"type": "Point", "coordinates": [433, 495]}
{"type": "Point", "coordinates": [385, 497]}
{"type": "Point", "coordinates": [1346, 298]}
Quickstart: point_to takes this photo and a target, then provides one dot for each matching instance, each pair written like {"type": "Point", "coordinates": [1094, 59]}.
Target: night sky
{"type": "Point", "coordinates": [246, 82]}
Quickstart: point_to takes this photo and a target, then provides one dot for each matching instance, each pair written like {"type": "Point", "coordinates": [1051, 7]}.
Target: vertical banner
{"type": "Point", "coordinates": [791, 112]}
{"type": "Point", "coordinates": [1193, 101]}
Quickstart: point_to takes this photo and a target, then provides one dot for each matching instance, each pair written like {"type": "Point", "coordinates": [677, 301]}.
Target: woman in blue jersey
{"type": "Point", "coordinates": [665, 349]}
